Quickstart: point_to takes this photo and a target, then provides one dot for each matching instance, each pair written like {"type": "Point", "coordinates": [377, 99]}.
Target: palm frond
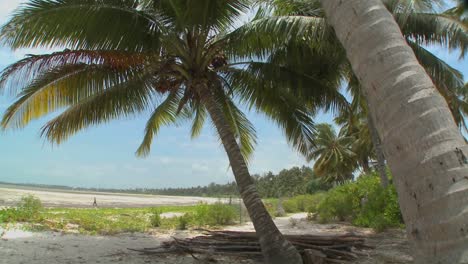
{"type": "Point", "coordinates": [412, 6]}
{"type": "Point", "coordinates": [198, 121]}
{"type": "Point", "coordinates": [332, 153]}
{"type": "Point", "coordinates": [121, 100]}
{"type": "Point", "coordinates": [436, 29]}
{"type": "Point", "coordinates": [22, 72]}
{"type": "Point", "coordinates": [202, 14]}
{"type": "Point", "coordinates": [60, 87]}
{"type": "Point", "coordinates": [316, 89]}
{"type": "Point", "coordinates": [311, 8]}
{"type": "Point", "coordinates": [289, 112]}
{"type": "Point", "coordinates": [164, 114]}
{"type": "Point", "coordinates": [82, 24]}
{"type": "Point", "coordinates": [443, 75]}
{"type": "Point", "coordinates": [262, 36]}
{"type": "Point", "coordinates": [243, 129]}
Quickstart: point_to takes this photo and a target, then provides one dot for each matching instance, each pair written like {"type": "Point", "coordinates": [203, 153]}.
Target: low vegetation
{"type": "Point", "coordinates": [304, 203]}
{"type": "Point", "coordinates": [104, 221]}
{"type": "Point", "coordinates": [215, 215]}
{"type": "Point", "coordinates": [28, 210]}
{"type": "Point", "coordinates": [363, 202]}
{"type": "Point", "coordinates": [155, 218]}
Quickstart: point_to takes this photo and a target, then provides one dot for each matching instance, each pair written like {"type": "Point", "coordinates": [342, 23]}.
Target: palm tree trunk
{"type": "Point", "coordinates": [275, 248]}
{"type": "Point", "coordinates": [424, 149]}
{"type": "Point", "coordinates": [381, 167]}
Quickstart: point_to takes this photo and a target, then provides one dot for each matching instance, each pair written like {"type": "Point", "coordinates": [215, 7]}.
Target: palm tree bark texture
{"type": "Point", "coordinates": [423, 147]}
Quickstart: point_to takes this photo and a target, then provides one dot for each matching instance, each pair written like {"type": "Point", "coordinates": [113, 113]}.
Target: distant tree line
{"type": "Point", "coordinates": [287, 183]}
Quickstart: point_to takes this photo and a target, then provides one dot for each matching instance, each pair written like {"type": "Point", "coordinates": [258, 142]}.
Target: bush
{"type": "Point", "coordinates": [183, 222]}
{"type": "Point", "coordinates": [303, 203]}
{"type": "Point", "coordinates": [290, 206]}
{"type": "Point", "coordinates": [155, 219]}
{"type": "Point", "coordinates": [27, 210]}
{"type": "Point", "coordinates": [215, 214]}
{"type": "Point", "coordinates": [337, 205]}
{"type": "Point", "coordinates": [314, 202]}
{"type": "Point", "coordinates": [30, 207]}
{"type": "Point", "coordinates": [381, 211]}
{"type": "Point", "coordinates": [363, 202]}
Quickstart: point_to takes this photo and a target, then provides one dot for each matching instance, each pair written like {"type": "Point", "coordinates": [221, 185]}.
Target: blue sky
{"type": "Point", "coordinates": [104, 156]}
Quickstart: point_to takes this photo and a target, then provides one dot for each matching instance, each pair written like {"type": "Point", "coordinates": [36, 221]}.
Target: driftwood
{"type": "Point", "coordinates": [312, 256]}
{"type": "Point", "coordinates": [315, 249]}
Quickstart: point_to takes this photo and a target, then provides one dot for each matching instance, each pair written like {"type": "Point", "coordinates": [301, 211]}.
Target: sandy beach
{"type": "Point", "coordinates": [70, 199]}
{"type": "Point", "coordinates": [20, 247]}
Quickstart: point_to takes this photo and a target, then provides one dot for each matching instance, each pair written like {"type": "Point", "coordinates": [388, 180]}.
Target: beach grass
{"type": "Point", "coordinates": [112, 221]}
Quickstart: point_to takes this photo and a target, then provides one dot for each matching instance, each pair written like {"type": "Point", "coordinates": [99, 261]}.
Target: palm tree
{"type": "Point", "coordinates": [333, 155]}
{"type": "Point", "coordinates": [354, 124]}
{"type": "Point", "coordinates": [421, 25]}
{"type": "Point", "coordinates": [424, 148]}
{"type": "Point", "coordinates": [176, 59]}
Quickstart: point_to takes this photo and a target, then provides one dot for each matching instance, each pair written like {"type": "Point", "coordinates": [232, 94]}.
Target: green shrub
{"type": "Point", "coordinates": [290, 206]}
{"type": "Point", "coordinates": [215, 214]}
{"type": "Point", "coordinates": [155, 219]}
{"type": "Point", "coordinates": [8, 215]}
{"type": "Point", "coordinates": [27, 210]}
{"type": "Point", "coordinates": [183, 221]}
{"type": "Point", "coordinates": [381, 210]}
{"type": "Point", "coordinates": [337, 205]}
{"type": "Point", "coordinates": [303, 203]}
{"type": "Point", "coordinates": [314, 202]}
{"type": "Point", "coordinates": [363, 202]}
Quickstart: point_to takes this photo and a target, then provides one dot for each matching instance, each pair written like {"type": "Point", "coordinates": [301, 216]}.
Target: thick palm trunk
{"type": "Point", "coordinates": [275, 248]}
{"type": "Point", "coordinates": [422, 144]}
{"type": "Point", "coordinates": [381, 167]}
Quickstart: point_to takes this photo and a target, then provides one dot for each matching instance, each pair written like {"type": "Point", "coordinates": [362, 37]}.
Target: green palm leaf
{"type": "Point", "coordinates": [61, 87]}
{"type": "Point", "coordinates": [82, 24]}
{"type": "Point", "coordinates": [164, 114]}
{"type": "Point", "coordinates": [207, 14]}
{"type": "Point", "coordinates": [198, 121]}
{"type": "Point", "coordinates": [121, 100]}
{"type": "Point", "coordinates": [22, 72]}
{"type": "Point", "coordinates": [243, 129]}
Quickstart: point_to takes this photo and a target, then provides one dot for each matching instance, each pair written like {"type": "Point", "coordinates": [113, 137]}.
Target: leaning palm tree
{"type": "Point", "coordinates": [421, 25]}
{"type": "Point", "coordinates": [334, 159]}
{"type": "Point", "coordinates": [177, 59]}
{"type": "Point", "coordinates": [424, 148]}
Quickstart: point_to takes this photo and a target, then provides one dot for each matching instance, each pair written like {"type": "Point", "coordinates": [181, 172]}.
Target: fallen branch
{"type": "Point", "coordinates": [314, 248]}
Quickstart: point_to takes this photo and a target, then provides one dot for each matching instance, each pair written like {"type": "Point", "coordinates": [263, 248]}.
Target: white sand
{"type": "Point", "coordinates": [55, 248]}
{"type": "Point", "coordinates": [52, 198]}
{"type": "Point", "coordinates": [19, 247]}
